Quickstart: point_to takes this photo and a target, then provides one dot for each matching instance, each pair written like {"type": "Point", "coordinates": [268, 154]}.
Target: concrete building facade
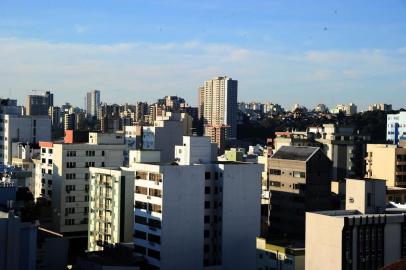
{"type": "Point", "coordinates": [299, 181]}
{"type": "Point", "coordinates": [364, 236]}
{"type": "Point", "coordinates": [193, 203]}
{"type": "Point", "coordinates": [111, 209]}
{"type": "Point", "coordinates": [388, 162]}
{"type": "Point", "coordinates": [220, 104]}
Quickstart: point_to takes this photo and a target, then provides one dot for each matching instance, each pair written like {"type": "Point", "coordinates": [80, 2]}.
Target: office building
{"type": "Point", "coordinates": [39, 104]}
{"type": "Point", "coordinates": [299, 181]}
{"type": "Point", "coordinates": [388, 162]}
{"type": "Point", "coordinates": [92, 103]}
{"type": "Point", "coordinates": [364, 236]}
{"type": "Point", "coordinates": [220, 105]}
{"type": "Point", "coordinates": [396, 127]}
{"type": "Point", "coordinates": [194, 203]}
{"type": "Point", "coordinates": [111, 210]}
{"type": "Point", "coordinates": [25, 129]}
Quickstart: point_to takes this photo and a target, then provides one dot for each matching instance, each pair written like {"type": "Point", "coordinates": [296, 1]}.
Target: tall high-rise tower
{"type": "Point", "coordinates": [92, 102]}
{"type": "Point", "coordinates": [219, 99]}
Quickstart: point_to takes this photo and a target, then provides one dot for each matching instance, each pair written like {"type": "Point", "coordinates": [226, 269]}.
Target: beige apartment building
{"type": "Point", "coordinates": [388, 162]}
{"type": "Point", "coordinates": [71, 162]}
{"type": "Point", "coordinates": [364, 236]}
{"type": "Point", "coordinates": [111, 209]}
{"type": "Point", "coordinates": [219, 103]}
{"type": "Point", "coordinates": [299, 182]}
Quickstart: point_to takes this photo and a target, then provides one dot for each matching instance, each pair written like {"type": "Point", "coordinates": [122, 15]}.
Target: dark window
{"type": "Point", "coordinates": [207, 175]}
{"type": "Point", "coordinates": [154, 254]}
{"type": "Point", "coordinates": [140, 220]}
{"type": "Point", "coordinates": [369, 200]}
{"type": "Point", "coordinates": [207, 204]}
{"type": "Point", "coordinates": [206, 233]}
{"type": "Point", "coordinates": [207, 190]}
{"type": "Point", "coordinates": [206, 219]}
{"type": "Point", "coordinates": [140, 249]}
{"type": "Point", "coordinates": [140, 234]}
{"type": "Point", "coordinates": [154, 238]}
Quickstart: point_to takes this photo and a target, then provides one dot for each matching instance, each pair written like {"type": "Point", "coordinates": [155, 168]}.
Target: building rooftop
{"type": "Point", "coordinates": [301, 153]}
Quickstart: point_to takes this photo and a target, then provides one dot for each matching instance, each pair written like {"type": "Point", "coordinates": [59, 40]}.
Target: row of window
{"type": "Point", "coordinates": [87, 153]}
{"type": "Point", "coordinates": [148, 252]}
{"type": "Point", "coordinates": [147, 236]}
{"type": "Point", "coordinates": [44, 150]}
{"type": "Point", "coordinates": [295, 174]}
{"type": "Point", "coordinates": [148, 206]}
{"type": "Point", "coordinates": [148, 191]}
{"type": "Point", "coordinates": [153, 223]}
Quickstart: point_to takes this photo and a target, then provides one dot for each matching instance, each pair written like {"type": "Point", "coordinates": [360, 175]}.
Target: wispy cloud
{"type": "Point", "coordinates": [127, 72]}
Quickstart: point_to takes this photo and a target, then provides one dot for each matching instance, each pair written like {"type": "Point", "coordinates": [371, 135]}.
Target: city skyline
{"type": "Point", "coordinates": [282, 53]}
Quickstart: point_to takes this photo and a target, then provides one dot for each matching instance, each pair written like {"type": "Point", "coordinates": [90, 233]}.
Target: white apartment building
{"type": "Point", "coordinates": [25, 129]}
{"type": "Point", "coordinates": [111, 209]}
{"type": "Point", "coordinates": [348, 109]}
{"type": "Point", "coordinates": [71, 164]}
{"type": "Point", "coordinates": [220, 104]}
{"type": "Point", "coordinates": [43, 171]}
{"type": "Point", "coordinates": [396, 127]}
{"type": "Point", "coordinates": [164, 135]}
{"type": "Point", "coordinates": [199, 214]}
{"type": "Point", "coordinates": [364, 236]}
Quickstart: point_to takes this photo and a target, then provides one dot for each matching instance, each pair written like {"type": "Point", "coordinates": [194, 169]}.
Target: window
{"type": "Point", "coordinates": [154, 238]}
{"type": "Point", "coordinates": [49, 182]}
{"type": "Point", "coordinates": [49, 161]}
{"type": "Point", "coordinates": [299, 174]}
{"type": "Point", "coordinates": [141, 205]}
{"type": "Point", "coordinates": [206, 233]}
{"type": "Point", "coordinates": [206, 219]}
{"type": "Point", "coordinates": [103, 153]}
{"type": "Point", "coordinates": [43, 161]}
{"type": "Point", "coordinates": [90, 153]}
{"type": "Point", "coordinates": [69, 210]}
{"type": "Point", "coordinates": [155, 192]}
{"type": "Point", "coordinates": [207, 175]}
{"type": "Point", "coordinates": [154, 223]}
{"type": "Point", "coordinates": [70, 176]}
{"type": "Point", "coordinates": [71, 154]}
{"type": "Point", "coordinates": [140, 220]}
{"type": "Point", "coordinates": [70, 199]}
{"type": "Point", "coordinates": [154, 254]}
{"type": "Point", "coordinates": [50, 150]}
{"type": "Point", "coordinates": [207, 204]}
{"type": "Point", "coordinates": [206, 248]}
{"type": "Point", "coordinates": [69, 222]}
{"type": "Point", "coordinates": [207, 190]}
{"type": "Point", "coordinates": [275, 172]}
{"type": "Point", "coordinates": [89, 164]}
{"type": "Point", "coordinates": [102, 164]}
{"type": "Point", "coordinates": [141, 190]}
{"type": "Point", "coordinates": [43, 150]}
{"type": "Point", "coordinates": [140, 234]}
{"type": "Point", "coordinates": [70, 164]}
{"type": "Point", "coordinates": [43, 170]}
{"type": "Point", "coordinates": [155, 208]}
{"type": "Point", "coordinates": [49, 171]}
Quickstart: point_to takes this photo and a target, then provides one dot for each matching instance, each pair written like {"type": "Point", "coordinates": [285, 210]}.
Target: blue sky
{"type": "Point", "coordinates": [305, 52]}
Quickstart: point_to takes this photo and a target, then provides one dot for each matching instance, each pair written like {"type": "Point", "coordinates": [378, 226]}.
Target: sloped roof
{"type": "Point", "coordinates": [301, 153]}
